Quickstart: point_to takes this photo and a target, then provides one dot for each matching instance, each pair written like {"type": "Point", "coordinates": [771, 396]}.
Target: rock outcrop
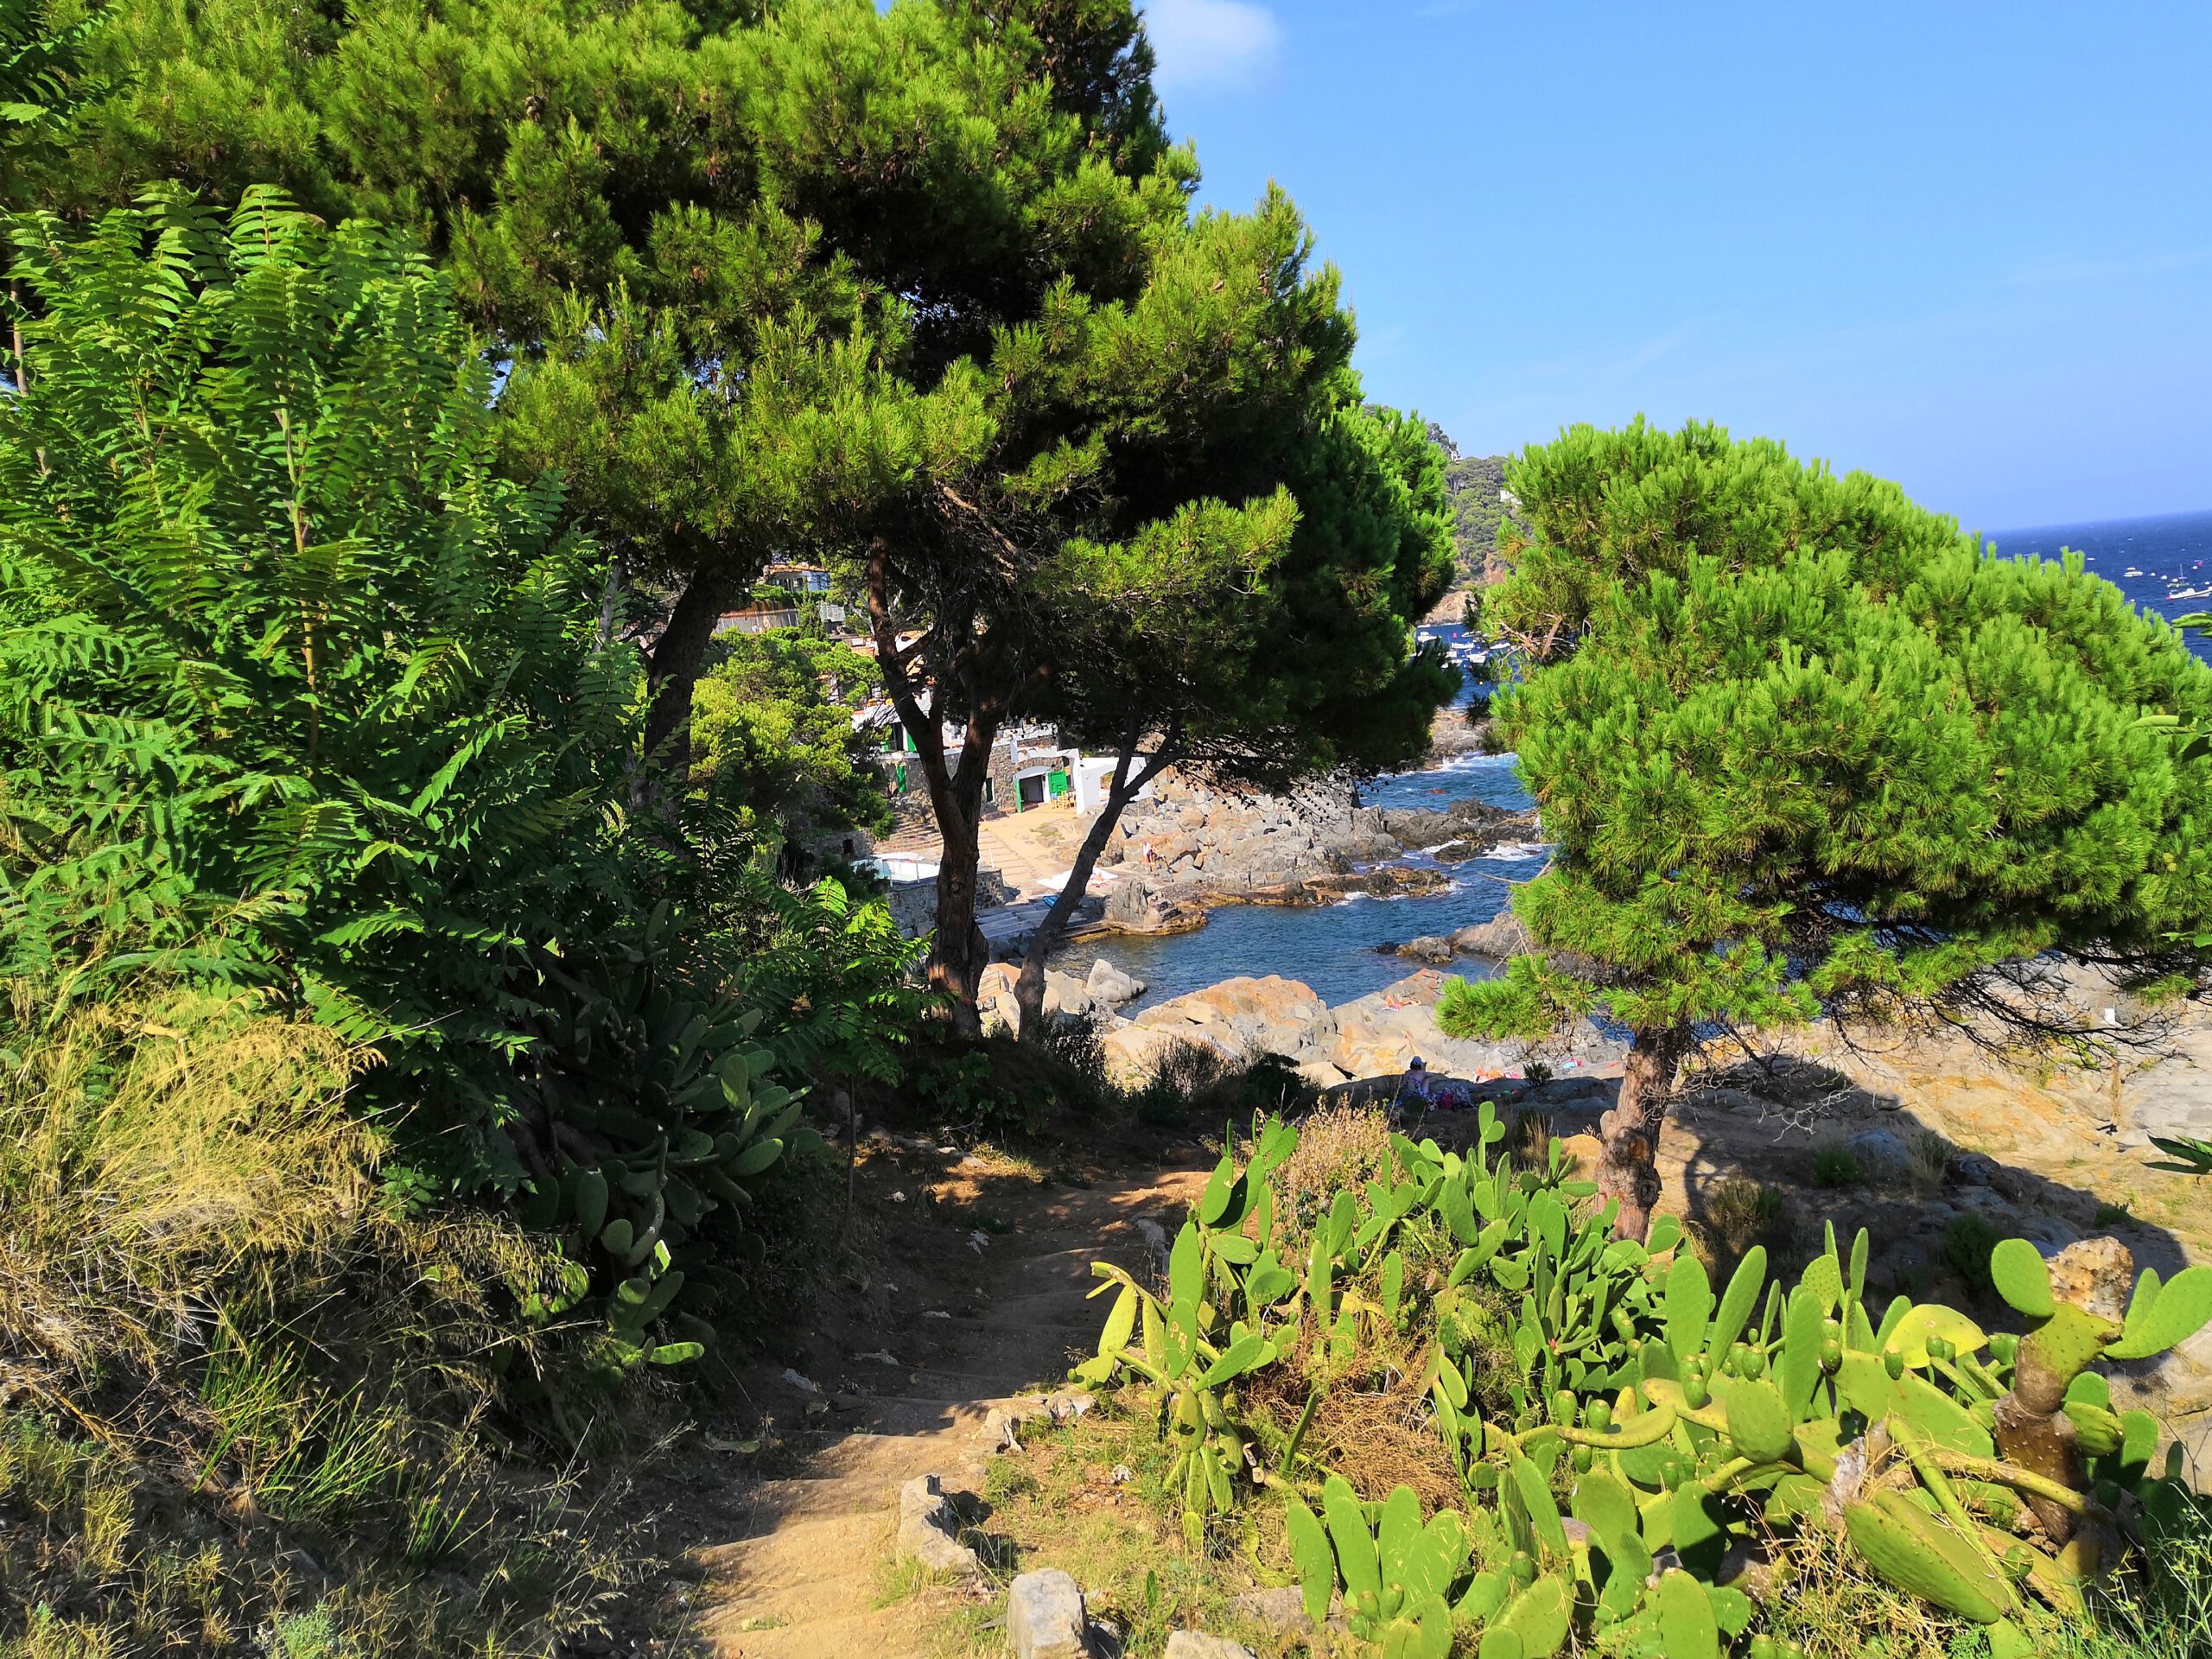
{"type": "Point", "coordinates": [1501, 936]}
{"type": "Point", "coordinates": [1374, 1036]}
{"type": "Point", "coordinates": [1466, 829]}
{"type": "Point", "coordinates": [1228, 841]}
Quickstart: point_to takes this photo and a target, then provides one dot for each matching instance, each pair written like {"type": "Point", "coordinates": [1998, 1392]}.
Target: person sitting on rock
{"type": "Point", "coordinates": [1414, 1088]}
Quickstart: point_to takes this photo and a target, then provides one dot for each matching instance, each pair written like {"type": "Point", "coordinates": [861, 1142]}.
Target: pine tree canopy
{"type": "Point", "coordinates": [917, 291]}
{"type": "Point", "coordinates": [1804, 747]}
{"type": "Point", "coordinates": [742, 260]}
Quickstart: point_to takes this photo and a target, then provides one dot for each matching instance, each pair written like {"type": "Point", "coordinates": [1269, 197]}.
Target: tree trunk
{"type": "Point", "coordinates": [959, 952]}
{"type": "Point", "coordinates": [673, 670]}
{"type": "Point", "coordinates": [1029, 988]}
{"type": "Point", "coordinates": [1629, 1171]}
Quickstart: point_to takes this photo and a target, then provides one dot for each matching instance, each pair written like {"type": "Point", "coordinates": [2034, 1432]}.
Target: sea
{"type": "Point", "coordinates": [2164, 566]}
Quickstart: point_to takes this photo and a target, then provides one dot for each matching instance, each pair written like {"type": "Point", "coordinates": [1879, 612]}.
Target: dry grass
{"type": "Point", "coordinates": [244, 1398]}
{"type": "Point", "coordinates": [1734, 1215]}
{"type": "Point", "coordinates": [1341, 1147]}
{"type": "Point", "coordinates": [146, 1152]}
{"type": "Point", "coordinates": [1119, 1539]}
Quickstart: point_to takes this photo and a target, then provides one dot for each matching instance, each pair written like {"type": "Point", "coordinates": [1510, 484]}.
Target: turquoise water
{"type": "Point", "coordinates": [1331, 948]}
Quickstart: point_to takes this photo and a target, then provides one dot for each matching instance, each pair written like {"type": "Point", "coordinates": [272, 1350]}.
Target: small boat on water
{"type": "Point", "coordinates": [2190, 592]}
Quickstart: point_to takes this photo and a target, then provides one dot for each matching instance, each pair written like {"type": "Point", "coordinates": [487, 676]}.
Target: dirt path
{"type": "Point", "coordinates": [800, 1578]}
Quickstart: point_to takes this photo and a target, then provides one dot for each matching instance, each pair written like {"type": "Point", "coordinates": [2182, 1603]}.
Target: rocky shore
{"type": "Point", "coordinates": [1371, 1038]}
{"type": "Point", "coordinates": [1187, 847]}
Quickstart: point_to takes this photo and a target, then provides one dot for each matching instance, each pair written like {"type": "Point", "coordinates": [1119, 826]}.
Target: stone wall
{"type": "Point", "coordinates": [913, 904]}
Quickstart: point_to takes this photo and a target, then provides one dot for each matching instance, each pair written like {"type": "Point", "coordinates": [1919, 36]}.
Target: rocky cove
{"type": "Point", "coordinates": [1323, 928]}
{"type": "Point", "coordinates": [1326, 885]}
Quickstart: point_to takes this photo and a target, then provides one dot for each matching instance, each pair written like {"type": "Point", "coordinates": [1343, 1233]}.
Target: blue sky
{"type": "Point", "coordinates": [1967, 246]}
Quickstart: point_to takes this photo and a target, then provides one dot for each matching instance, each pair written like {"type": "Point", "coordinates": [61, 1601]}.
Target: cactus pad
{"type": "Point", "coordinates": [1758, 1425]}
{"type": "Point", "coordinates": [2017, 1270]}
{"type": "Point", "coordinates": [1924, 1557]}
{"type": "Point", "coordinates": [1688, 1629]}
{"type": "Point", "coordinates": [2177, 1312]}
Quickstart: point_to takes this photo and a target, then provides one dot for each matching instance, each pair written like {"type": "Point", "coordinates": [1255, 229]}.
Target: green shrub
{"type": "Point", "coordinates": [1834, 1166]}
{"type": "Point", "coordinates": [1967, 1244]}
{"type": "Point", "coordinates": [294, 691]}
{"type": "Point", "coordinates": [299, 696]}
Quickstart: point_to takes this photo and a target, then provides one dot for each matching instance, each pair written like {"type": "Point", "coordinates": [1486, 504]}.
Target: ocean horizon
{"type": "Point", "coordinates": [2162, 562]}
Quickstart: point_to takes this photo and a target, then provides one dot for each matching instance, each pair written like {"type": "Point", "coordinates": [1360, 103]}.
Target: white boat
{"type": "Point", "coordinates": [2130, 571]}
{"type": "Point", "coordinates": [2190, 592]}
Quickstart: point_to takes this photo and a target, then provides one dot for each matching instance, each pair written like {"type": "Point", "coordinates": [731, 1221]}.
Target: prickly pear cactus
{"type": "Point", "coordinates": [1983, 1473]}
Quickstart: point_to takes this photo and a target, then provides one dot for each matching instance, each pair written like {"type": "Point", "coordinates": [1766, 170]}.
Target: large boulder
{"type": "Point", "coordinates": [1244, 1016]}
{"type": "Point", "coordinates": [1379, 1035]}
{"type": "Point", "coordinates": [1065, 993]}
{"type": "Point", "coordinates": [1501, 936]}
{"type": "Point", "coordinates": [1883, 1157]}
{"type": "Point", "coordinates": [1110, 985]}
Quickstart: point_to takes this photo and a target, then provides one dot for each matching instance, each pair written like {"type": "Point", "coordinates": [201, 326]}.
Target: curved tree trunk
{"type": "Point", "coordinates": [958, 951]}
{"type": "Point", "coordinates": [1029, 988]}
{"type": "Point", "coordinates": [1629, 1173]}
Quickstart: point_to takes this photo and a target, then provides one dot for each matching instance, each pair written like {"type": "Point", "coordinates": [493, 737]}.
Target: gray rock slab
{"type": "Point", "coordinates": [1193, 1644]}
{"type": "Point", "coordinates": [927, 1529]}
{"type": "Point", "coordinates": [1046, 1617]}
{"type": "Point", "coordinates": [1282, 1610]}
{"type": "Point", "coordinates": [1883, 1157]}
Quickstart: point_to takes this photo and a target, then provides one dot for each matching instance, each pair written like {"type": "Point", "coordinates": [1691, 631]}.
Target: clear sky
{"type": "Point", "coordinates": [1967, 246]}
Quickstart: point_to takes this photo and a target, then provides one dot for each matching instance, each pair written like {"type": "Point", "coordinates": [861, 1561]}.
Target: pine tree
{"type": "Point", "coordinates": [1278, 670]}
{"type": "Point", "coordinates": [1806, 751]}
{"type": "Point", "coordinates": [917, 290]}
{"type": "Point", "coordinates": [733, 256]}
